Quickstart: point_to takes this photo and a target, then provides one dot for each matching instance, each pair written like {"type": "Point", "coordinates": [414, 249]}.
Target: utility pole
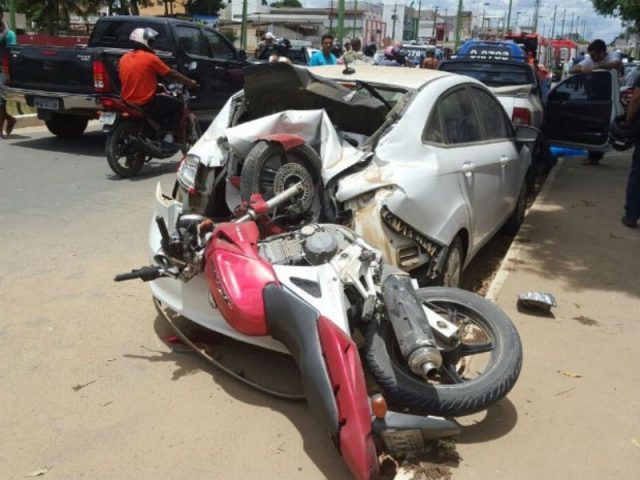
{"type": "Point", "coordinates": [553, 27]}
{"type": "Point", "coordinates": [417, 35]}
{"type": "Point", "coordinates": [508, 27]}
{"type": "Point", "coordinates": [564, 14]}
{"type": "Point", "coordinates": [394, 17]}
{"type": "Point", "coordinates": [446, 15]}
{"type": "Point", "coordinates": [243, 29]}
{"type": "Point", "coordinates": [12, 14]}
{"type": "Point", "coordinates": [340, 21]}
{"type": "Point", "coordinates": [535, 20]}
{"type": "Point", "coordinates": [331, 18]}
{"type": "Point", "coordinates": [484, 8]}
{"type": "Point", "coordinates": [435, 34]}
{"type": "Point", "coordinates": [571, 29]}
{"type": "Point", "coordinates": [458, 25]}
{"type": "Point", "coordinates": [355, 16]}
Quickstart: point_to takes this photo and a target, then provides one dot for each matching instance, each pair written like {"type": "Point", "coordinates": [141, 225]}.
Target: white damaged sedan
{"type": "Point", "coordinates": [425, 165]}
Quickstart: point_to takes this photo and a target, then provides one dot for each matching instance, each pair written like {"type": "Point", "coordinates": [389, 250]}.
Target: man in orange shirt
{"type": "Point", "coordinates": [139, 71]}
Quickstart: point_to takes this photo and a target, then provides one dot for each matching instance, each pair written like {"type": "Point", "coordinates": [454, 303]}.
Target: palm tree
{"type": "Point", "coordinates": [50, 13]}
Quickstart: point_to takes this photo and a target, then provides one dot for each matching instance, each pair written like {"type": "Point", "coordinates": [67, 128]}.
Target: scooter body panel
{"type": "Point", "coordinates": [347, 379]}
{"type": "Point", "coordinates": [237, 276]}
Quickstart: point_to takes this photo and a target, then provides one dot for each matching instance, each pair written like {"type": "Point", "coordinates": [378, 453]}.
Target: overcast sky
{"type": "Point", "coordinates": [606, 28]}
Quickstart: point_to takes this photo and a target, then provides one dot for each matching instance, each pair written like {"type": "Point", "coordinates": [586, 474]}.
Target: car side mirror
{"type": "Point", "coordinates": [526, 134]}
{"type": "Point", "coordinates": [242, 54]}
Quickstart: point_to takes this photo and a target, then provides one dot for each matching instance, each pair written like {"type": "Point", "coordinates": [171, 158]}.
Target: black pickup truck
{"type": "Point", "coordinates": [64, 84]}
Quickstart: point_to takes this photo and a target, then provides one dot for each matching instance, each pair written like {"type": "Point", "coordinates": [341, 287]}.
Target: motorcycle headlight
{"type": "Point", "coordinates": [188, 171]}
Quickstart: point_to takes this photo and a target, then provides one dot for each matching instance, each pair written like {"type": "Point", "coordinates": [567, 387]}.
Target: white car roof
{"type": "Point", "coordinates": [409, 78]}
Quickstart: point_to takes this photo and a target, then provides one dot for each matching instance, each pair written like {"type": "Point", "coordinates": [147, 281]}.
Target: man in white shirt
{"type": "Point", "coordinates": [598, 59]}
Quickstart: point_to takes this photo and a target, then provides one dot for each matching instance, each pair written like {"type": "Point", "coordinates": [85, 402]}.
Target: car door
{"type": "Point", "coordinates": [226, 75]}
{"type": "Point", "coordinates": [581, 108]}
{"type": "Point", "coordinates": [454, 131]}
{"type": "Point", "coordinates": [498, 135]}
{"type": "Point", "coordinates": [192, 46]}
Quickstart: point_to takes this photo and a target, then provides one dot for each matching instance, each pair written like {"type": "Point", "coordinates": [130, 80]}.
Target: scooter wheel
{"type": "Point", "coordinates": [476, 372]}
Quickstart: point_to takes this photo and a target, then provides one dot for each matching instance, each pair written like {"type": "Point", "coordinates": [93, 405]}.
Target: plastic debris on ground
{"type": "Point", "coordinates": [537, 300]}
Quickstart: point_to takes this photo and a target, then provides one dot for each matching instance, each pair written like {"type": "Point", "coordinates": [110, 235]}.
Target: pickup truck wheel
{"type": "Point", "coordinates": [124, 162]}
{"type": "Point", "coordinates": [66, 125]}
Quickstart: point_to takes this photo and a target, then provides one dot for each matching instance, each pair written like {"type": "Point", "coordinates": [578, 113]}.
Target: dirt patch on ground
{"type": "Point", "coordinates": [589, 322]}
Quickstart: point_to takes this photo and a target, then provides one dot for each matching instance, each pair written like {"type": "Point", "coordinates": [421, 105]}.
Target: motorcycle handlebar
{"type": "Point", "coordinates": [274, 201]}
{"type": "Point", "coordinates": [146, 274]}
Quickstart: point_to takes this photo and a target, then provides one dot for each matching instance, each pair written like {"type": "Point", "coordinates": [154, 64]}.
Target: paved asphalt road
{"type": "Point", "coordinates": [88, 389]}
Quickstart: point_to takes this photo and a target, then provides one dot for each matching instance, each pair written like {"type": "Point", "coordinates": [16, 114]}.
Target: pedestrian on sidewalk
{"type": "Point", "coordinates": [7, 37]}
{"type": "Point", "coordinates": [632, 204]}
{"type": "Point", "coordinates": [598, 59]}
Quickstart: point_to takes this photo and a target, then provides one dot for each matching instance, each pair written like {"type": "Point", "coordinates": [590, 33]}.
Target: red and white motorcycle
{"type": "Point", "coordinates": [307, 292]}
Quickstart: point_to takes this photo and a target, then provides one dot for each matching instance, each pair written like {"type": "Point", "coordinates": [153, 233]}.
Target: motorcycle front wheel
{"type": "Point", "coordinates": [194, 132]}
{"type": "Point", "coordinates": [475, 374]}
{"type": "Point", "coordinates": [123, 161]}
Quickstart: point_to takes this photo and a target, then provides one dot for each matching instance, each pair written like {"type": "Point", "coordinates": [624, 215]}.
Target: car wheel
{"type": "Point", "coordinates": [65, 126]}
{"type": "Point", "coordinates": [512, 225]}
{"type": "Point", "coordinates": [451, 274]}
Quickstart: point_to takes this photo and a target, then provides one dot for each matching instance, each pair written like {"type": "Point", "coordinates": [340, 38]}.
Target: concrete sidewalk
{"type": "Point", "coordinates": [575, 411]}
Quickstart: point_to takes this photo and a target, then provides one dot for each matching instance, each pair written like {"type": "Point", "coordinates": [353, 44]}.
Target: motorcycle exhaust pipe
{"type": "Point", "coordinates": [410, 324]}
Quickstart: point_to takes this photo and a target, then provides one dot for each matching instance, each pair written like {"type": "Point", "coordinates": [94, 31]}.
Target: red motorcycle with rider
{"type": "Point", "coordinates": [149, 119]}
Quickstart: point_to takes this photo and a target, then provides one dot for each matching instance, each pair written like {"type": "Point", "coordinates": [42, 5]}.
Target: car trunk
{"type": "Point", "coordinates": [276, 87]}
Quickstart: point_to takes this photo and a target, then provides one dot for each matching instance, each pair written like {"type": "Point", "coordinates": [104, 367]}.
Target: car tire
{"type": "Point", "coordinates": [512, 225]}
{"type": "Point", "coordinates": [66, 126]}
{"type": "Point", "coordinates": [542, 157]}
{"type": "Point", "coordinates": [404, 390]}
{"type": "Point", "coordinates": [451, 274]}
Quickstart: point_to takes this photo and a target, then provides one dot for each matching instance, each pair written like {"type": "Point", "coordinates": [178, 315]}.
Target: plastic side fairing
{"type": "Point", "coordinates": [347, 379]}
{"type": "Point", "coordinates": [237, 276]}
{"type": "Point", "coordinates": [192, 299]}
{"type": "Point", "coordinates": [293, 322]}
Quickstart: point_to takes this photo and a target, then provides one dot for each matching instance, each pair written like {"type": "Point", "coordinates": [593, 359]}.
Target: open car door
{"type": "Point", "coordinates": [581, 108]}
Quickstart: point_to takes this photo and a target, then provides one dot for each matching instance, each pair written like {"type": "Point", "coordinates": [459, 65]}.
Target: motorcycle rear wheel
{"type": "Point", "coordinates": [260, 169]}
{"type": "Point", "coordinates": [123, 164]}
{"type": "Point", "coordinates": [452, 393]}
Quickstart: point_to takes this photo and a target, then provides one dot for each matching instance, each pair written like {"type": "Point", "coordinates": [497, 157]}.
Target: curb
{"type": "Point", "coordinates": [405, 471]}
{"type": "Point", "coordinates": [28, 120]}
{"type": "Point", "coordinates": [496, 285]}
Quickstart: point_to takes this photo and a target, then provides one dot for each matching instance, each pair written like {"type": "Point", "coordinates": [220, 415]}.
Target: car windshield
{"type": "Point", "coordinates": [492, 74]}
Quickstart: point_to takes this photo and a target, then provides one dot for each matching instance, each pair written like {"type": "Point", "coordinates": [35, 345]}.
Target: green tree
{"type": "Point", "coordinates": [50, 13]}
{"type": "Point", "coordinates": [287, 3]}
{"type": "Point", "coordinates": [203, 7]}
{"type": "Point", "coordinates": [628, 10]}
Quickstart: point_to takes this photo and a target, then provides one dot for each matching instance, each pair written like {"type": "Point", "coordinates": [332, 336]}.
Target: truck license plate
{"type": "Point", "coordinates": [46, 103]}
{"type": "Point", "coordinates": [107, 118]}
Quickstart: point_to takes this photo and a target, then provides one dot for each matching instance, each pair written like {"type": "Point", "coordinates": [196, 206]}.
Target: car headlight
{"type": "Point", "coordinates": [188, 171]}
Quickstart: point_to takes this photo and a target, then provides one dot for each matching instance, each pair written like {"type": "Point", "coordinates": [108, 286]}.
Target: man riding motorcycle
{"type": "Point", "coordinates": [139, 71]}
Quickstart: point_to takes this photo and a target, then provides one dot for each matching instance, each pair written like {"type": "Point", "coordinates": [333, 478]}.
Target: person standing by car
{"type": "Point", "coordinates": [281, 52]}
{"type": "Point", "coordinates": [431, 62]}
{"type": "Point", "coordinates": [324, 56]}
{"type": "Point", "coordinates": [139, 71]}
{"type": "Point", "coordinates": [7, 37]}
{"type": "Point", "coordinates": [598, 59]}
{"type": "Point", "coordinates": [266, 46]}
{"type": "Point", "coordinates": [632, 202]}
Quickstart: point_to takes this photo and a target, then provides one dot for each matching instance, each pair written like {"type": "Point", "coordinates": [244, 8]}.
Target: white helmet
{"type": "Point", "coordinates": [144, 36]}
